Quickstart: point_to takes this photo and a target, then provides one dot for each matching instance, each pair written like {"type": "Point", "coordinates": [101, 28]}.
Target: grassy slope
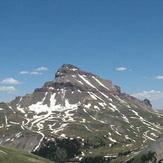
{"type": "Point", "coordinates": [11, 155]}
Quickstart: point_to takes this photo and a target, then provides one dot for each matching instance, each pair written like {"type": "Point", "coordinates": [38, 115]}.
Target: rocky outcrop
{"type": "Point", "coordinates": [147, 102]}
{"type": "Point", "coordinates": [157, 148]}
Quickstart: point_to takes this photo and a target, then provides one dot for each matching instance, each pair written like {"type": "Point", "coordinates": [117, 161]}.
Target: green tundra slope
{"type": "Point", "coordinates": [12, 155]}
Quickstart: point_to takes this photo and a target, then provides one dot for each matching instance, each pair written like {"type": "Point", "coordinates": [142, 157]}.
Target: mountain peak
{"type": "Point", "coordinates": [68, 69]}
{"type": "Point", "coordinates": [70, 66]}
{"type": "Point", "coordinates": [78, 103]}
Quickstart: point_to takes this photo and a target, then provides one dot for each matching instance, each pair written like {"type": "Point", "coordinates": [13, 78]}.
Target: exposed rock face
{"type": "Point", "coordinates": [157, 148]}
{"type": "Point", "coordinates": [80, 105]}
{"type": "Point", "coordinates": [152, 154]}
{"type": "Point", "coordinates": [147, 102]}
{"type": "Point", "coordinates": [71, 80]}
{"type": "Point", "coordinates": [68, 69]}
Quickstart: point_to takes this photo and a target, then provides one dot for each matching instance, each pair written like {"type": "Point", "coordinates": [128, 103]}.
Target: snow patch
{"type": "Point", "coordinates": [61, 128]}
{"type": "Point", "coordinates": [87, 128]}
{"type": "Point", "coordinates": [39, 141]}
{"type": "Point", "coordinates": [6, 120]}
{"type": "Point", "coordinates": [3, 152]}
{"type": "Point", "coordinates": [14, 123]}
{"type": "Point", "coordinates": [92, 95]}
{"type": "Point", "coordinates": [96, 107]}
{"type": "Point", "coordinates": [97, 119]}
{"type": "Point", "coordinates": [74, 69]}
{"type": "Point", "coordinates": [80, 82]}
{"type": "Point", "coordinates": [63, 136]}
{"type": "Point", "coordinates": [11, 108]}
{"type": "Point", "coordinates": [87, 106]}
{"type": "Point", "coordinates": [112, 140]}
{"type": "Point", "coordinates": [100, 83]}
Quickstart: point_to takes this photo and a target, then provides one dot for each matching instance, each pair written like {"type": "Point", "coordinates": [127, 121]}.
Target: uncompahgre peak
{"type": "Point", "coordinates": [79, 110]}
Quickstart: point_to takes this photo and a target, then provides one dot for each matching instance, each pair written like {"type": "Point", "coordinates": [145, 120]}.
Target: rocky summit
{"type": "Point", "coordinates": [79, 117]}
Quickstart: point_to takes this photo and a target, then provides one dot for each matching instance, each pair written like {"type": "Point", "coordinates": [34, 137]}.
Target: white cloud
{"type": "Point", "coordinates": [158, 77]}
{"type": "Point", "coordinates": [36, 73]}
{"type": "Point", "coordinates": [151, 95]}
{"type": "Point", "coordinates": [41, 69]}
{"type": "Point", "coordinates": [10, 81]}
{"type": "Point", "coordinates": [121, 68]}
{"type": "Point", "coordinates": [10, 88]}
{"type": "Point", "coordinates": [23, 72]}
{"type": "Point", "coordinates": [32, 73]}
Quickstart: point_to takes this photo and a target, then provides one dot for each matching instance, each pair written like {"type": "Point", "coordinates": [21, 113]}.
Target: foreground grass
{"type": "Point", "coordinates": [11, 155]}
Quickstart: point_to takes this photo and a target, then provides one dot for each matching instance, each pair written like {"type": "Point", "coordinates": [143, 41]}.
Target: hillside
{"type": "Point", "coordinates": [11, 155]}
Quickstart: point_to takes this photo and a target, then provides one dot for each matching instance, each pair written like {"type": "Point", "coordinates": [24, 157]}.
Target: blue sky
{"type": "Point", "coordinates": [120, 40]}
